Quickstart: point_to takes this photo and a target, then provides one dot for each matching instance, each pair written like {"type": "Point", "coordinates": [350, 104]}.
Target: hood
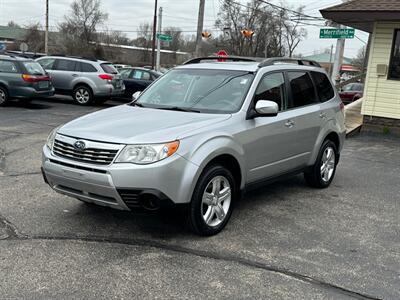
{"type": "Point", "coordinates": [127, 124]}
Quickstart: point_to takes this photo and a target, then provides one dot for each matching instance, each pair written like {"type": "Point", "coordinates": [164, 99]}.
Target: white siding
{"type": "Point", "coordinates": [382, 96]}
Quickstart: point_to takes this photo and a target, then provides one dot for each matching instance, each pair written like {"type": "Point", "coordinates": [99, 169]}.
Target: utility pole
{"type": "Point", "coordinates": [338, 55]}
{"type": "Point", "coordinates": [46, 34]}
{"type": "Point", "coordinates": [200, 23]}
{"type": "Point", "coordinates": [158, 40]}
{"type": "Point", "coordinates": [153, 50]}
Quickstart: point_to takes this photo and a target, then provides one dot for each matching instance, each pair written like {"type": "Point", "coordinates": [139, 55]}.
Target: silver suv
{"type": "Point", "coordinates": [201, 135]}
{"type": "Point", "coordinates": [87, 80]}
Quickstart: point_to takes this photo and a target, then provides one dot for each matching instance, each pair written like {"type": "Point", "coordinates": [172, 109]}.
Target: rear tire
{"type": "Point", "coordinates": [323, 171]}
{"type": "Point", "coordinates": [212, 201]}
{"type": "Point", "coordinates": [83, 95]}
{"type": "Point", "coordinates": [4, 98]}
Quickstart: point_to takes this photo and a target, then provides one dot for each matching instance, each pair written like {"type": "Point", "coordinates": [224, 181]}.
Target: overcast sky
{"type": "Point", "coordinates": [126, 15]}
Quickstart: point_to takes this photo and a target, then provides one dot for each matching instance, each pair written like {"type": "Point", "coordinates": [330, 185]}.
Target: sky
{"type": "Point", "coordinates": [126, 16]}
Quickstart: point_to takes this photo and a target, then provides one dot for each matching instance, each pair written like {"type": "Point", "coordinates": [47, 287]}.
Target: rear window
{"type": "Point", "coordinates": [7, 66]}
{"type": "Point", "coordinates": [324, 87]}
{"type": "Point", "coordinates": [33, 68]}
{"type": "Point", "coordinates": [109, 68]}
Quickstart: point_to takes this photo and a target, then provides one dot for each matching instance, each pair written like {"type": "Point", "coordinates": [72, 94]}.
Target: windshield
{"type": "Point", "coordinates": [33, 68]}
{"type": "Point", "coordinates": [209, 91]}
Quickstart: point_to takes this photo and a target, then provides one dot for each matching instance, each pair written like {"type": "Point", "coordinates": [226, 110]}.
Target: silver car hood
{"type": "Point", "coordinates": [127, 124]}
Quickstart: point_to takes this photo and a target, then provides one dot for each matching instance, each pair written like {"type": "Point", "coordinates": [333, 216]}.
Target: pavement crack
{"type": "Point", "coordinates": [11, 230]}
{"type": "Point", "coordinates": [21, 174]}
{"type": "Point", "coordinates": [319, 283]}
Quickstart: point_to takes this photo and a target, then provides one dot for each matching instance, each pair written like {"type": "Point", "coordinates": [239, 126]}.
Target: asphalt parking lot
{"type": "Point", "coordinates": [285, 241]}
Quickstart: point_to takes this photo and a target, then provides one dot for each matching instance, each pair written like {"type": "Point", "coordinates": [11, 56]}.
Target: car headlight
{"type": "Point", "coordinates": [51, 137]}
{"type": "Point", "coordinates": [147, 154]}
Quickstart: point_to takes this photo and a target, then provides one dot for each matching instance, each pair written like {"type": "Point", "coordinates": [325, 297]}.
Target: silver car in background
{"type": "Point", "coordinates": [86, 80]}
{"type": "Point", "coordinates": [202, 135]}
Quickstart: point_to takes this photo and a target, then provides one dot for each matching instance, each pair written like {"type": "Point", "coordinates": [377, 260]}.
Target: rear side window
{"type": "Point", "coordinates": [85, 67]}
{"type": "Point", "coordinates": [323, 85]}
{"type": "Point", "coordinates": [47, 63]}
{"type": "Point", "coordinates": [272, 88]}
{"type": "Point", "coordinates": [7, 66]}
{"type": "Point", "coordinates": [141, 75]}
{"type": "Point", "coordinates": [302, 89]}
{"type": "Point", "coordinates": [109, 68]}
{"type": "Point", "coordinates": [33, 68]}
{"type": "Point", "coordinates": [65, 65]}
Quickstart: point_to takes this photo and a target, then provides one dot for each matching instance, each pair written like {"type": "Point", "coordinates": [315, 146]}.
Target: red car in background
{"type": "Point", "coordinates": [351, 92]}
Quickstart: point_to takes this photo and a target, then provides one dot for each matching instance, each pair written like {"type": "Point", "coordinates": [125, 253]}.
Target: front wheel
{"type": "Point", "coordinates": [212, 201]}
{"type": "Point", "coordinates": [83, 95]}
{"type": "Point", "coordinates": [322, 172]}
{"type": "Point", "coordinates": [3, 96]}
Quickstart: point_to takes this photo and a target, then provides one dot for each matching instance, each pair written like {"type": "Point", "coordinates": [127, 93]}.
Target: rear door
{"type": "Point", "coordinates": [10, 76]}
{"type": "Point", "coordinates": [303, 110]}
{"type": "Point", "coordinates": [63, 74]}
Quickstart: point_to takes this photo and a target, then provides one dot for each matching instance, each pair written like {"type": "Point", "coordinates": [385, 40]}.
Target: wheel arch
{"type": "Point", "coordinates": [76, 85]}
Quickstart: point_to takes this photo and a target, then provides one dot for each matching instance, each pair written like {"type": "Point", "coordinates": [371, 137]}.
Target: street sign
{"type": "Point", "coordinates": [336, 33]}
{"type": "Point", "coordinates": [222, 53]}
{"type": "Point", "coordinates": [164, 37]}
{"type": "Point", "coordinates": [3, 47]}
{"type": "Point", "coordinates": [23, 47]}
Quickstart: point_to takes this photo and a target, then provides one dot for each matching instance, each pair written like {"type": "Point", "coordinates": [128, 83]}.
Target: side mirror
{"type": "Point", "coordinates": [136, 95]}
{"type": "Point", "coordinates": [266, 108]}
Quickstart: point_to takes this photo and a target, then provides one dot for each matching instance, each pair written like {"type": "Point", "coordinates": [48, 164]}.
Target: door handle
{"type": "Point", "coordinates": [289, 123]}
{"type": "Point", "coordinates": [322, 115]}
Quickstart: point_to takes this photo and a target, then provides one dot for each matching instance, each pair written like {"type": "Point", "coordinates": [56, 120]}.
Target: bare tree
{"type": "Point", "coordinates": [144, 40]}
{"type": "Point", "coordinates": [79, 28]}
{"type": "Point", "coordinates": [294, 33]}
{"type": "Point", "coordinates": [359, 60]}
{"type": "Point", "coordinates": [34, 37]}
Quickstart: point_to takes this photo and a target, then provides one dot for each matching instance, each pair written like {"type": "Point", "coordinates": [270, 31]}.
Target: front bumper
{"type": "Point", "coordinates": [120, 186]}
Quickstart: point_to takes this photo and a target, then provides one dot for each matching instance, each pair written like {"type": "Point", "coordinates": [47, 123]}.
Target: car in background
{"type": "Point", "coordinates": [137, 79]}
{"type": "Point", "coordinates": [121, 66]}
{"type": "Point", "coordinates": [23, 78]}
{"type": "Point", "coordinates": [86, 80]}
{"type": "Point", "coordinates": [351, 92]}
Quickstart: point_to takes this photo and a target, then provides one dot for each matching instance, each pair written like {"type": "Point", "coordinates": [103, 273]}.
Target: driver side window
{"type": "Point", "coordinates": [272, 88]}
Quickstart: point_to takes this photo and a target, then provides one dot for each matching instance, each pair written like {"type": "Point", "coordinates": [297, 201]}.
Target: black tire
{"type": "Point", "coordinates": [4, 98]}
{"type": "Point", "coordinates": [195, 219]}
{"type": "Point", "coordinates": [83, 95]}
{"type": "Point", "coordinates": [313, 176]}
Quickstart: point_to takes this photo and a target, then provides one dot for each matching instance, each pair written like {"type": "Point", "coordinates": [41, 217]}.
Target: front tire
{"type": "Point", "coordinates": [3, 96]}
{"type": "Point", "coordinates": [322, 172]}
{"type": "Point", "coordinates": [212, 201]}
{"type": "Point", "coordinates": [83, 95]}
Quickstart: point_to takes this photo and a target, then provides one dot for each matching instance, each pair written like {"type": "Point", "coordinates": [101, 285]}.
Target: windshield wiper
{"type": "Point", "coordinates": [177, 108]}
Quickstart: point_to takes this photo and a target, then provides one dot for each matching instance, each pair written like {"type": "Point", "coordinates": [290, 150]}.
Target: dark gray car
{"type": "Point", "coordinates": [86, 80]}
{"type": "Point", "coordinates": [22, 78]}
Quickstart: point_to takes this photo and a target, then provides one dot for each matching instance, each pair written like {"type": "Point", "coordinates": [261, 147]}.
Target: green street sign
{"type": "Point", "coordinates": [164, 37]}
{"type": "Point", "coordinates": [336, 33]}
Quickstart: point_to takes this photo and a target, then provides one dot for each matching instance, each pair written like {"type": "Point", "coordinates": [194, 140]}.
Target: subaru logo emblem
{"type": "Point", "coordinates": [80, 145]}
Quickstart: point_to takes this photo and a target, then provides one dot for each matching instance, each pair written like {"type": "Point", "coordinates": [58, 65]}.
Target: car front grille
{"type": "Point", "coordinates": [88, 155]}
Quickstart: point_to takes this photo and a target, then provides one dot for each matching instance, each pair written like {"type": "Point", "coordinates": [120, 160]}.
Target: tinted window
{"type": "Point", "coordinates": [65, 65]}
{"type": "Point", "coordinates": [7, 66]}
{"type": "Point", "coordinates": [324, 87]}
{"type": "Point", "coordinates": [85, 67]}
{"type": "Point", "coordinates": [302, 89]}
{"type": "Point", "coordinates": [125, 73]}
{"type": "Point", "coordinates": [33, 68]}
{"type": "Point", "coordinates": [394, 66]}
{"type": "Point", "coordinates": [141, 75]}
{"type": "Point", "coordinates": [109, 68]}
{"type": "Point", "coordinates": [47, 63]}
{"type": "Point", "coordinates": [271, 87]}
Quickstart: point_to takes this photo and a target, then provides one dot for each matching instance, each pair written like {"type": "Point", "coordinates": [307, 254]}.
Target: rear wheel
{"type": "Point", "coordinates": [83, 95]}
{"type": "Point", "coordinates": [3, 96]}
{"type": "Point", "coordinates": [323, 171]}
{"type": "Point", "coordinates": [212, 201]}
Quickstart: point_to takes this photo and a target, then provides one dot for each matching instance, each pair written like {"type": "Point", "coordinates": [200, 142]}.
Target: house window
{"type": "Point", "coordinates": [394, 65]}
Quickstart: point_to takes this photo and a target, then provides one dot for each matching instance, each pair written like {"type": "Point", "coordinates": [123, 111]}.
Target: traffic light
{"type": "Point", "coordinates": [206, 35]}
{"type": "Point", "coordinates": [247, 33]}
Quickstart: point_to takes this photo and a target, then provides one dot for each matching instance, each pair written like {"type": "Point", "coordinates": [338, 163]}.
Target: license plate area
{"type": "Point", "coordinates": [44, 84]}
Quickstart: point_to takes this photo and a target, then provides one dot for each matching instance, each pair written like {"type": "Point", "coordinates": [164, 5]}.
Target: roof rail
{"type": "Point", "coordinates": [74, 56]}
{"type": "Point", "coordinates": [230, 58]}
{"type": "Point", "coordinates": [299, 61]}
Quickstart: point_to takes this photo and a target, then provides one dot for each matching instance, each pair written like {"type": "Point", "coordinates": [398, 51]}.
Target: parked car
{"type": "Point", "coordinates": [137, 79]}
{"type": "Point", "coordinates": [22, 78]}
{"type": "Point", "coordinates": [86, 80]}
{"type": "Point", "coordinates": [351, 92]}
{"type": "Point", "coordinates": [202, 135]}
{"type": "Point", "coordinates": [121, 66]}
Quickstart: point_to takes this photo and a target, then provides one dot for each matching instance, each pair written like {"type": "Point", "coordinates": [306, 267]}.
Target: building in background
{"type": "Point", "coordinates": [381, 101]}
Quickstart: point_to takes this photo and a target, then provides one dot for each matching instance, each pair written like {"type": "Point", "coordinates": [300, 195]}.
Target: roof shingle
{"type": "Point", "coordinates": [366, 5]}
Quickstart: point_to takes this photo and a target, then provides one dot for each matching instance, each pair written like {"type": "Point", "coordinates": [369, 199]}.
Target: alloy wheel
{"type": "Point", "coordinates": [216, 201]}
{"type": "Point", "coordinates": [82, 96]}
{"type": "Point", "coordinates": [328, 164]}
{"type": "Point", "coordinates": [2, 96]}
